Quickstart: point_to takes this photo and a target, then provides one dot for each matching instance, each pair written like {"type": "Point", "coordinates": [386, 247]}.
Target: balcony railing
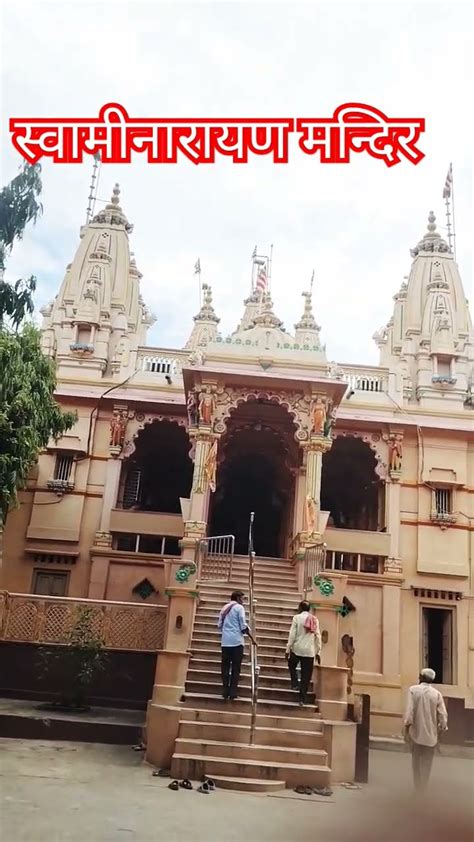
{"type": "Point", "coordinates": [30, 618]}
{"type": "Point", "coordinates": [366, 379]}
{"type": "Point", "coordinates": [354, 562]}
{"type": "Point", "coordinates": [164, 361]}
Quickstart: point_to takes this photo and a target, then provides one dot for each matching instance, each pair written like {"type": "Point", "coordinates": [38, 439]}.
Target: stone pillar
{"type": "Point", "coordinates": [109, 500]}
{"type": "Point", "coordinates": [393, 563]}
{"type": "Point", "coordinates": [205, 464]}
{"type": "Point", "coordinates": [173, 660]}
{"type": "Point", "coordinates": [309, 503]}
{"type": "Point", "coordinates": [391, 632]}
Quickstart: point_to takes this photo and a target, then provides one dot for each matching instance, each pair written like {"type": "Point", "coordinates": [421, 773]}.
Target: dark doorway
{"type": "Point", "coordinates": [350, 488]}
{"type": "Point", "coordinates": [249, 484]}
{"type": "Point", "coordinates": [255, 475]}
{"type": "Point", "coordinates": [160, 471]}
{"type": "Point", "coordinates": [438, 643]}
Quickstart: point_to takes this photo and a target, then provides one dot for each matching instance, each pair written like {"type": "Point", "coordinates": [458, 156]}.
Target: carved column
{"type": "Point", "coordinates": [393, 563]}
{"type": "Point", "coordinates": [118, 427]}
{"type": "Point", "coordinates": [313, 449]}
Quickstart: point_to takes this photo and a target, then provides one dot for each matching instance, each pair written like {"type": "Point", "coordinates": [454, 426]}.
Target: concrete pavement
{"type": "Point", "coordinates": [79, 792]}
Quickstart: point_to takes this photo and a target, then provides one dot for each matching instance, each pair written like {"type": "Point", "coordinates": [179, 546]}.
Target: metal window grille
{"type": "Point", "coordinates": [131, 488]}
{"type": "Point", "coordinates": [63, 466]}
{"type": "Point", "coordinates": [159, 365]}
{"type": "Point", "coordinates": [443, 501]}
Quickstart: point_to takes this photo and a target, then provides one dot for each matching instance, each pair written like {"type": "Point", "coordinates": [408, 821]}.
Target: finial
{"type": "Point", "coordinates": [115, 194]}
{"type": "Point", "coordinates": [431, 222]}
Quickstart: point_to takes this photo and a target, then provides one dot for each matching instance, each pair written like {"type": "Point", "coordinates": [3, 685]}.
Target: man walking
{"type": "Point", "coordinates": [232, 625]}
{"type": "Point", "coordinates": [425, 717]}
{"type": "Point", "coordinates": [304, 645]}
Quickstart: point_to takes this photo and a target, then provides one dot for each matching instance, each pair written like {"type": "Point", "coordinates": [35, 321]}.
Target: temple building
{"type": "Point", "coordinates": [374, 465]}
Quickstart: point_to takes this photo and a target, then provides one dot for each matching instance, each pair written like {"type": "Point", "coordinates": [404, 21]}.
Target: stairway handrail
{"type": "Point", "coordinates": [254, 667]}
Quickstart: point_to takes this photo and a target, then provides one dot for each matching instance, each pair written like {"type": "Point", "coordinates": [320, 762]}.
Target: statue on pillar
{"type": "Point", "coordinates": [207, 406]}
{"type": "Point", "coordinates": [310, 514]}
{"type": "Point", "coordinates": [330, 421]}
{"type": "Point", "coordinates": [192, 408]}
{"type": "Point", "coordinates": [395, 447]}
{"type": "Point", "coordinates": [318, 417]}
{"type": "Point", "coordinates": [118, 425]}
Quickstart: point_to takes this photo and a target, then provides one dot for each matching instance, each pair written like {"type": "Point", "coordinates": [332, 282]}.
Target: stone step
{"type": "Point", "coordinates": [222, 731]}
{"type": "Point", "coordinates": [195, 766]}
{"type": "Point", "coordinates": [203, 640]}
{"type": "Point", "coordinates": [278, 639]}
{"type": "Point", "coordinates": [262, 620]}
{"type": "Point", "coordinates": [275, 593]}
{"type": "Point", "coordinates": [274, 694]}
{"type": "Point", "coordinates": [213, 653]}
{"type": "Point", "coordinates": [278, 670]}
{"type": "Point", "coordinates": [280, 682]}
{"type": "Point", "coordinates": [242, 751]}
{"type": "Point", "coordinates": [228, 715]}
{"type": "Point", "coordinates": [248, 784]}
{"type": "Point", "coordinates": [212, 609]}
{"type": "Point", "coordinates": [204, 624]}
{"type": "Point", "coordinates": [274, 707]}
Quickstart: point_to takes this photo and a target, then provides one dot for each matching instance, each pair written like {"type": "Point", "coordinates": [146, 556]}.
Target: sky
{"type": "Point", "coordinates": [352, 223]}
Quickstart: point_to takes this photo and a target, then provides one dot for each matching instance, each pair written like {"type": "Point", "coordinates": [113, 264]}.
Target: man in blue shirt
{"type": "Point", "coordinates": [232, 625]}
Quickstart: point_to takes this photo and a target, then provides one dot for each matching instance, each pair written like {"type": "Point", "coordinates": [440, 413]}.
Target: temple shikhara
{"type": "Point", "coordinates": [360, 479]}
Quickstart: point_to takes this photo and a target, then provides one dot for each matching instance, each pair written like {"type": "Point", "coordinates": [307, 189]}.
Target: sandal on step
{"type": "Point", "coordinates": [174, 785]}
{"type": "Point", "coordinates": [204, 788]}
{"type": "Point", "coordinates": [211, 784]}
{"type": "Point", "coordinates": [186, 784]}
{"type": "Point", "coordinates": [301, 790]}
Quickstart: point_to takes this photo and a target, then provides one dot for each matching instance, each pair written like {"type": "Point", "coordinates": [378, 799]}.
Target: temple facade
{"type": "Point", "coordinates": [375, 463]}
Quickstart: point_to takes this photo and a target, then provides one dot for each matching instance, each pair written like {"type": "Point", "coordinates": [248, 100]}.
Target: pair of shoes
{"type": "Point", "coordinates": [303, 790]}
{"type": "Point", "coordinates": [324, 790]}
{"type": "Point", "coordinates": [233, 698]}
{"type": "Point", "coordinates": [209, 783]}
{"type": "Point", "coordinates": [301, 703]}
{"type": "Point", "coordinates": [162, 773]}
{"type": "Point", "coordinates": [225, 697]}
{"type": "Point", "coordinates": [175, 785]}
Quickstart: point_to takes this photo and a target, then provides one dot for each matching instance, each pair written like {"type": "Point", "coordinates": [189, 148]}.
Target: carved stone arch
{"type": "Point", "coordinates": [376, 444]}
{"type": "Point", "coordinates": [142, 420]}
{"type": "Point", "coordinates": [296, 404]}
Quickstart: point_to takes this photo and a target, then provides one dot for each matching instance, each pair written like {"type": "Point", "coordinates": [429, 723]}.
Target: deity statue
{"type": "Point", "coordinates": [310, 515]}
{"type": "Point", "coordinates": [191, 406]}
{"type": "Point", "coordinates": [318, 417]}
{"type": "Point", "coordinates": [118, 425]}
{"type": "Point", "coordinates": [329, 422]}
{"type": "Point", "coordinates": [207, 406]}
{"type": "Point", "coordinates": [395, 445]}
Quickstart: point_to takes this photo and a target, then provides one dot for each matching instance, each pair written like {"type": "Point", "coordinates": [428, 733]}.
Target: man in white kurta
{"type": "Point", "coordinates": [425, 717]}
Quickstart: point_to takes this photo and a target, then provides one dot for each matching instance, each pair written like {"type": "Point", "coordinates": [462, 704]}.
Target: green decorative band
{"type": "Point", "coordinates": [343, 610]}
{"type": "Point", "coordinates": [326, 588]}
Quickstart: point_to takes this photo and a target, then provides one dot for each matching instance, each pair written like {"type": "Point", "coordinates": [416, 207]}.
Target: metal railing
{"type": "Point", "coordinates": [254, 667]}
{"type": "Point", "coordinates": [314, 561]}
{"type": "Point", "coordinates": [214, 558]}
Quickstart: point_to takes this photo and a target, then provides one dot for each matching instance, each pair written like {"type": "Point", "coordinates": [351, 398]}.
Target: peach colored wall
{"type": "Point", "coordinates": [365, 626]}
{"type": "Point", "coordinates": [122, 578]}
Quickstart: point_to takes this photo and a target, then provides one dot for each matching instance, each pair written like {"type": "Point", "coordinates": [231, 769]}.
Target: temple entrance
{"type": "Point", "coordinates": [256, 475]}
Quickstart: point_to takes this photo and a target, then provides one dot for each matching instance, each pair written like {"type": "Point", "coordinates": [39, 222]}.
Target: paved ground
{"type": "Point", "coordinates": [79, 792]}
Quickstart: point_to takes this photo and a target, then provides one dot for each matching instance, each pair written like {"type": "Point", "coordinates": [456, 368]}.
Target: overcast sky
{"type": "Point", "coordinates": [354, 224]}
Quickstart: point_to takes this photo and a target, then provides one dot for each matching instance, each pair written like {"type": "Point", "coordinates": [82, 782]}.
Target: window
{"type": "Point", "coordinates": [443, 501]}
{"type": "Point", "coordinates": [50, 584]}
{"type": "Point", "coordinates": [444, 366]}
{"type": "Point", "coordinates": [63, 466]}
{"type": "Point", "coordinates": [156, 544]}
{"type": "Point", "coordinates": [437, 643]}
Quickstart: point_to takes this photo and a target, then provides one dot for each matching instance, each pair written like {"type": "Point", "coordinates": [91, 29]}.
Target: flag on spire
{"type": "Point", "coordinates": [254, 253]}
{"type": "Point", "coordinates": [447, 190]}
{"type": "Point", "coordinates": [197, 267]}
{"type": "Point", "coordinates": [262, 280]}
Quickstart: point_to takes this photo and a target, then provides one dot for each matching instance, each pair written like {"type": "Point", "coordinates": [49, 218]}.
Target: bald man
{"type": "Point", "coordinates": [425, 717]}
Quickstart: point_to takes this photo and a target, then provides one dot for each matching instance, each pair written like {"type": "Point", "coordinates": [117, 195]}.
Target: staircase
{"type": "Point", "coordinates": [214, 736]}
